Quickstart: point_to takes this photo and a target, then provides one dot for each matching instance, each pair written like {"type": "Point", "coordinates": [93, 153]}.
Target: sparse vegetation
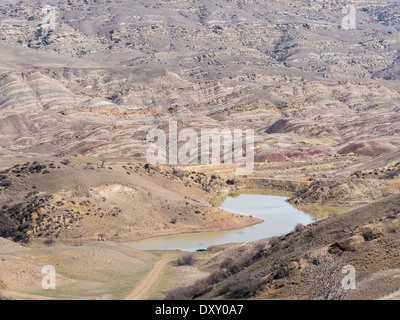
{"type": "Point", "coordinates": [48, 241]}
{"type": "Point", "coordinates": [299, 227]}
{"type": "Point", "coordinates": [65, 162]}
{"type": "Point", "coordinates": [274, 242]}
{"type": "Point", "coordinates": [185, 260]}
{"type": "Point", "coordinates": [241, 286]}
{"type": "Point", "coordinates": [32, 193]}
{"type": "Point", "coordinates": [181, 293]}
{"type": "Point", "coordinates": [103, 161]}
{"type": "Point", "coordinates": [321, 280]}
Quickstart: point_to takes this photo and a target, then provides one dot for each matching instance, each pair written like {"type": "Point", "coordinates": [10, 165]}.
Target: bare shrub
{"type": "Point", "coordinates": [239, 264]}
{"type": "Point", "coordinates": [88, 165]}
{"type": "Point", "coordinates": [65, 162]}
{"type": "Point", "coordinates": [202, 286]}
{"type": "Point", "coordinates": [316, 229]}
{"type": "Point", "coordinates": [190, 292]}
{"type": "Point", "coordinates": [181, 293]}
{"type": "Point", "coordinates": [299, 227]}
{"type": "Point", "coordinates": [260, 246]}
{"type": "Point", "coordinates": [216, 277]}
{"type": "Point", "coordinates": [371, 234]}
{"type": "Point", "coordinates": [48, 241]}
{"type": "Point", "coordinates": [258, 255]}
{"type": "Point", "coordinates": [392, 229]}
{"type": "Point", "coordinates": [282, 267]}
{"type": "Point", "coordinates": [199, 288]}
{"type": "Point", "coordinates": [226, 263]}
{"type": "Point", "coordinates": [103, 161]}
{"type": "Point", "coordinates": [240, 286]}
{"type": "Point", "coordinates": [178, 173]}
{"type": "Point", "coordinates": [322, 279]}
{"type": "Point", "coordinates": [185, 260]}
{"type": "Point", "coordinates": [275, 242]}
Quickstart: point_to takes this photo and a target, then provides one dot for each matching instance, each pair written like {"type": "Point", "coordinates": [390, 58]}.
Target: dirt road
{"type": "Point", "coordinates": [142, 289]}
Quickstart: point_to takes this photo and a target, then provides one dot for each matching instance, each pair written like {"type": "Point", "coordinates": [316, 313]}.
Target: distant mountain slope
{"type": "Point", "coordinates": [204, 40]}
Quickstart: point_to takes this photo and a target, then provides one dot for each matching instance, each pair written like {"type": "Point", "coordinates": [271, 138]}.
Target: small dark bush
{"type": "Point", "coordinates": [226, 263]}
{"type": "Point", "coordinates": [259, 246]}
{"type": "Point", "coordinates": [299, 227]}
{"type": "Point", "coordinates": [200, 287]}
{"type": "Point", "coordinates": [182, 293]}
{"type": "Point", "coordinates": [371, 234]}
{"type": "Point", "coordinates": [239, 264]}
{"type": "Point", "coordinates": [185, 260]}
{"type": "Point", "coordinates": [240, 286]}
{"type": "Point", "coordinates": [48, 241]}
{"type": "Point", "coordinates": [216, 277]}
{"type": "Point", "coordinates": [275, 242]}
{"type": "Point", "coordinates": [30, 194]}
{"type": "Point", "coordinates": [258, 255]}
{"type": "Point", "coordinates": [5, 184]}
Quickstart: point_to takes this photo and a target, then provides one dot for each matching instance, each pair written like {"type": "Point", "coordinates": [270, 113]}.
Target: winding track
{"type": "Point", "coordinates": [150, 279]}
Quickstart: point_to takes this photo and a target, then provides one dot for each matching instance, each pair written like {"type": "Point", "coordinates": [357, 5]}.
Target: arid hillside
{"type": "Point", "coordinates": [83, 82]}
{"type": "Point", "coordinates": [67, 200]}
{"type": "Point", "coordinates": [278, 268]}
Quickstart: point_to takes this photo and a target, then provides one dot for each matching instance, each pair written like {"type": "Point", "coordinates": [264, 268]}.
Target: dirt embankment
{"type": "Point", "coordinates": [85, 199]}
{"type": "Point", "coordinates": [344, 192]}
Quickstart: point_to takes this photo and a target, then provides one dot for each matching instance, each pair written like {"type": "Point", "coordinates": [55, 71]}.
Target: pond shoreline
{"type": "Point", "coordinates": [282, 218]}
